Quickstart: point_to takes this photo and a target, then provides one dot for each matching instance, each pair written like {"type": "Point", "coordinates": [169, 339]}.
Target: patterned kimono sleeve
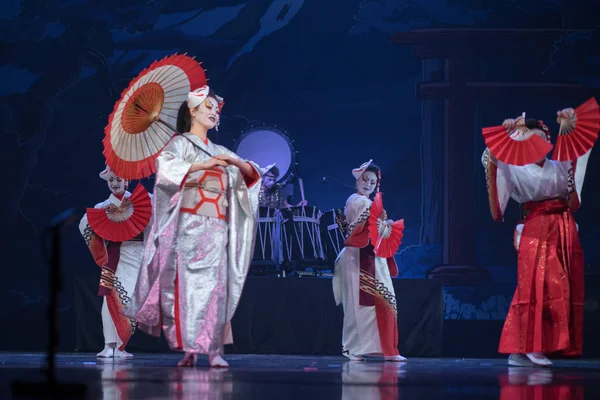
{"type": "Point", "coordinates": [357, 213]}
{"type": "Point", "coordinates": [172, 167]}
{"type": "Point", "coordinates": [576, 176]}
{"type": "Point", "coordinates": [499, 185]}
{"type": "Point", "coordinates": [95, 243]}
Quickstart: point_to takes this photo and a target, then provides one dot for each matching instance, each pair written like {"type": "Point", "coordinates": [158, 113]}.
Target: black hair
{"type": "Point", "coordinates": [184, 118]}
{"type": "Point", "coordinates": [274, 171]}
{"type": "Point", "coordinates": [375, 169]}
{"type": "Point", "coordinates": [532, 123]}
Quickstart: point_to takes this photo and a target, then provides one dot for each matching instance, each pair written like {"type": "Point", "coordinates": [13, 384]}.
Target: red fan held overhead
{"type": "Point", "coordinates": [125, 222]}
{"type": "Point", "coordinates": [578, 131]}
{"type": "Point", "coordinates": [144, 119]}
{"type": "Point", "coordinates": [386, 239]}
{"type": "Point", "coordinates": [520, 147]}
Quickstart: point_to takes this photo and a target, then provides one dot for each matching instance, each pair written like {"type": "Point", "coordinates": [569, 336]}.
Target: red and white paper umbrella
{"type": "Point", "coordinates": [144, 118]}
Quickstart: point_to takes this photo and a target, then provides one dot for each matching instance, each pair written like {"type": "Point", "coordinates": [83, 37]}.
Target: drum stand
{"type": "Point", "coordinates": [268, 245]}
{"type": "Point", "coordinates": [312, 228]}
{"type": "Point", "coordinates": [290, 241]}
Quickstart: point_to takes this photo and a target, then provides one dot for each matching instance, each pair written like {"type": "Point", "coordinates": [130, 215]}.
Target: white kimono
{"type": "Point", "coordinates": [555, 179]}
{"type": "Point", "coordinates": [114, 325]}
{"type": "Point", "coordinates": [370, 329]}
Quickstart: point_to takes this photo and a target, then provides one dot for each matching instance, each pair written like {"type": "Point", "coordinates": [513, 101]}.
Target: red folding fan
{"type": "Point", "coordinates": [520, 147]}
{"type": "Point", "coordinates": [385, 246]}
{"type": "Point", "coordinates": [123, 223]}
{"type": "Point", "coordinates": [578, 133]}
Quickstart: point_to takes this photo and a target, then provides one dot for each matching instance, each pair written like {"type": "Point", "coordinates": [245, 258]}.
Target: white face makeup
{"type": "Point", "coordinates": [207, 114]}
{"type": "Point", "coordinates": [541, 134]}
{"type": "Point", "coordinates": [367, 183]}
{"type": "Point", "coordinates": [115, 184]}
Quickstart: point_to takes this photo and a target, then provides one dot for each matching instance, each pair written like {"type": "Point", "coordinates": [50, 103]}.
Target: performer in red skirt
{"type": "Point", "coordinates": [546, 313]}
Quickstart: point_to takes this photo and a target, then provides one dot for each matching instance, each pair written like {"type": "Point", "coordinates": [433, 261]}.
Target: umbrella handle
{"type": "Point", "coordinates": [180, 134]}
{"type": "Point", "coordinates": [168, 125]}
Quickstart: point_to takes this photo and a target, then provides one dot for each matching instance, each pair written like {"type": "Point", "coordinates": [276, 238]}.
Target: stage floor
{"type": "Point", "coordinates": [155, 376]}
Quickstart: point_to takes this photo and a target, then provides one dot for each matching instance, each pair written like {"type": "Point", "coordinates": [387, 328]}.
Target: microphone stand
{"type": "Point", "coordinates": [51, 388]}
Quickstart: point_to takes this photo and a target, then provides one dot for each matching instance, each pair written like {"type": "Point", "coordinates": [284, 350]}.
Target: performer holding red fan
{"type": "Point", "coordinates": [578, 131]}
{"type": "Point", "coordinates": [363, 272]}
{"type": "Point", "coordinates": [113, 231]}
{"type": "Point", "coordinates": [546, 314]}
{"type": "Point", "coordinates": [122, 222]}
{"type": "Point", "coordinates": [521, 146]}
{"type": "Point", "coordinates": [385, 236]}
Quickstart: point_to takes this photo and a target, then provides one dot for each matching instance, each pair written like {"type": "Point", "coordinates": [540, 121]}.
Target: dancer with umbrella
{"type": "Point", "coordinates": [201, 238]}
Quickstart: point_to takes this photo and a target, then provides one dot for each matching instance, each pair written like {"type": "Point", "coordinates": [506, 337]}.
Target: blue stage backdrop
{"type": "Point", "coordinates": [408, 84]}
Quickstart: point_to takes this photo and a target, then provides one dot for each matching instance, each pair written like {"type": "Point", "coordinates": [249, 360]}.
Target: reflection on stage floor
{"type": "Point", "coordinates": [155, 376]}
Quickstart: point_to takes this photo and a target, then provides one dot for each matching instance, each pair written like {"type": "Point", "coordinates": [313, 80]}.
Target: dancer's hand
{"type": "Point", "coordinates": [246, 169]}
{"type": "Point", "coordinates": [211, 163]}
{"type": "Point", "coordinates": [227, 158]}
{"type": "Point", "coordinates": [512, 124]}
{"type": "Point", "coordinates": [111, 208]}
{"type": "Point", "coordinates": [567, 113]}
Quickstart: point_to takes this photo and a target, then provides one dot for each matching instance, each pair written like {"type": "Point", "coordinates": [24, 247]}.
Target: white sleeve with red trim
{"type": "Point", "coordinates": [579, 167]}
{"type": "Point", "coordinates": [499, 185]}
